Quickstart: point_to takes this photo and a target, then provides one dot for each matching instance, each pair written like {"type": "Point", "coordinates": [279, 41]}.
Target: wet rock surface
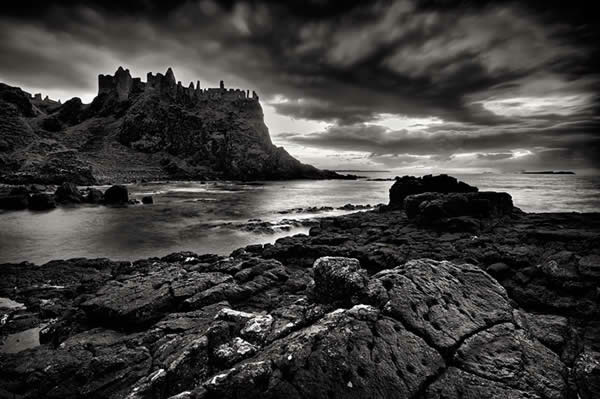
{"type": "Point", "coordinates": [368, 305]}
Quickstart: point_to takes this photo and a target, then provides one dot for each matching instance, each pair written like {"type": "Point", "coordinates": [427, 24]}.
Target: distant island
{"type": "Point", "coordinates": [548, 172]}
{"type": "Point", "coordinates": [359, 170]}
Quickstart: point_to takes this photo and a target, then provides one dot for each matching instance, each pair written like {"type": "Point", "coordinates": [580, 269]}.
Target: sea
{"type": "Point", "coordinates": [191, 216]}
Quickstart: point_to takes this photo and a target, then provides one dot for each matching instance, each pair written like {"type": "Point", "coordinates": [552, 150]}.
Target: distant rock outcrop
{"type": "Point", "coordinates": [410, 185]}
{"type": "Point", "coordinates": [134, 130]}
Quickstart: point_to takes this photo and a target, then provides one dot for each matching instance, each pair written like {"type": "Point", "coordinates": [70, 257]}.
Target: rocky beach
{"type": "Point", "coordinates": [446, 292]}
{"type": "Point", "coordinates": [390, 199]}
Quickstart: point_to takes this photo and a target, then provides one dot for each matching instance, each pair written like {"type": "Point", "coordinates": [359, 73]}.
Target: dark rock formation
{"type": "Point", "coordinates": [94, 196]}
{"type": "Point", "coordinates": [116, 195]}
{"type": "Point", "coordinates": [41, 202]}
{"type": "Point", "coordinates": [338, 279]}
{"type": "Point", "coordinates": [14, 201]}
{"type": "Point", "coordinates": [134, 130]}
{"type": "Point", "coordinates": [147, 200]}
{"type": "Point", "coordinates": [410, 185]}
{"type": "Point", "coordinates": [587, 375]}
{"type": "Point", "coordinates": [431, 207]}
{"type": "Point", "coordinates": [68, 193]}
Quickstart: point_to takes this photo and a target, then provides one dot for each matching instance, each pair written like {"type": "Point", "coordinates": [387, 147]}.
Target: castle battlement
{"type": "Point", "coordinates": [37, 97]}
{"type": "Point", "coordinates": [123, 85]}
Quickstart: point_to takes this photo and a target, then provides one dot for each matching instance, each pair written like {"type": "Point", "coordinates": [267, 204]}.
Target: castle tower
{"type": "Point", "coordinates": [123, 83]}
{"type": "Point", "coordinates": [170, 77]}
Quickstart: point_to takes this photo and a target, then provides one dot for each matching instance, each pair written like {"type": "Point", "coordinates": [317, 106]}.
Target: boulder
{"type": "Point", "coordinates": [440, 300]}
{"type": "Point", "coordinates": [338, 278]}
{"type": "Point", "coordinates": [68, 193]}
{"type": "Point", "coordinates": [410, 185]}
{"type": "Point", "coordinates": [147, 200]}
{"type": "Point", "coordinates": [430, 208]}
{"type": "Point", "coordinates": [41, 202]}
{"type": "Point", "coordinates": [94, 196]}
{"type": "Point", "coordinates": [116, 195]}
{"type": "Point", "coordinates": [506, 354]}
{"type": "Point", "coordinates": [14, 201]}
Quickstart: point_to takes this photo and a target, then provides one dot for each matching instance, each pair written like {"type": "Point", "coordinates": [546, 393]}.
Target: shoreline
{"type": "Point", "coordinates": [155, 311]}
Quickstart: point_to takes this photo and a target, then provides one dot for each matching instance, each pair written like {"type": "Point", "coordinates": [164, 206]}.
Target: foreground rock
{"type": "Point", "coordinates": [368, 305]}
{"type": "Point", "coordinates": [210, 327]}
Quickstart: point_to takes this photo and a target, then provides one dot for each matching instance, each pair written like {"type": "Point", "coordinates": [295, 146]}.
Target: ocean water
{"type": "Point", "coordinates": [193, 216]}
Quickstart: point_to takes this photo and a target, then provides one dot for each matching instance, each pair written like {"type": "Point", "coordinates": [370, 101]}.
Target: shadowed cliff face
{"type": "Point", "coordinates": [135, 130]}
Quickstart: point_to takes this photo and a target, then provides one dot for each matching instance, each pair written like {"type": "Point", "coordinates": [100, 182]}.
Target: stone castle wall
{"type": "Point", "coordinates": [123, 85]}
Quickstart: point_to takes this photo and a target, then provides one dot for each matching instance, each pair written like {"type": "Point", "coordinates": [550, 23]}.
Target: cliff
{"type": "Point", "coordinates": [136, 130]}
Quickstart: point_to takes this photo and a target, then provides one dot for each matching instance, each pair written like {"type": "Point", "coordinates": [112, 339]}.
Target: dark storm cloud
{"type": "Point", "coordinates": [345, 63]}
{"type": "Point", "coordinates": [577, 139]}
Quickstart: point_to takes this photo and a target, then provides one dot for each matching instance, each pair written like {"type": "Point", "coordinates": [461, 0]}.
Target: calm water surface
{"type": "Point", "coordinates": [186, 216]}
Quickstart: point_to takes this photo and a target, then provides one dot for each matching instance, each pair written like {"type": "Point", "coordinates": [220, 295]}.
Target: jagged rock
{"type": "Point", "coordinates": [95, 363]}
{"type": "Point", "coordinates": [68, 193]}
{"type": "Point", "coordinates": [432, 207]}
{"type": "Point", "coordinates": [411, 185]}
{"type": "Point", "coordinates": [94, 196]}
{"type": "Point", "coordinates": [42, 201]}
{"type": "Point", "coordinates": [116, 195]}
{"type": "Point", "coordinates": [587, 375]}
{"type": "Point", "coordinates": [338, 279]}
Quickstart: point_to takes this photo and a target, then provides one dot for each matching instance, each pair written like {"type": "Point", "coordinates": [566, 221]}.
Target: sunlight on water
{"type": "Point", "coordinates": [179, 217]}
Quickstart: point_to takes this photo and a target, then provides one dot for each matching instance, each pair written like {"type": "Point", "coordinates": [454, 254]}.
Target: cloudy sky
{"type": "Point", "coordinates": [411, 85]}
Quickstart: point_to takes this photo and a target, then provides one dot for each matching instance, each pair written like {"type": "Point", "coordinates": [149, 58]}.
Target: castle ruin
{"type": "Point", "coordinates": [123, 84]}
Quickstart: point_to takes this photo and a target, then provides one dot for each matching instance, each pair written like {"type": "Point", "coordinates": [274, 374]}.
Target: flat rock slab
{"type": "Point", "coordinates": [142, 299]}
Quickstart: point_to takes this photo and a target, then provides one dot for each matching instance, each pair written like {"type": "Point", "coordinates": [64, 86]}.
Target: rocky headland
{"type": "Point", "coordinates": [134, 130]}
{"type": "Point", "coordinates": [446, 292]}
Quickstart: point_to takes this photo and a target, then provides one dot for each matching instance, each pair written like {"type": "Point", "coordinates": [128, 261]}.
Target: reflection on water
{"type": "Point", "coordinates": [178, 218]}
{"type": "Point", "coordinates": [22, 340]}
